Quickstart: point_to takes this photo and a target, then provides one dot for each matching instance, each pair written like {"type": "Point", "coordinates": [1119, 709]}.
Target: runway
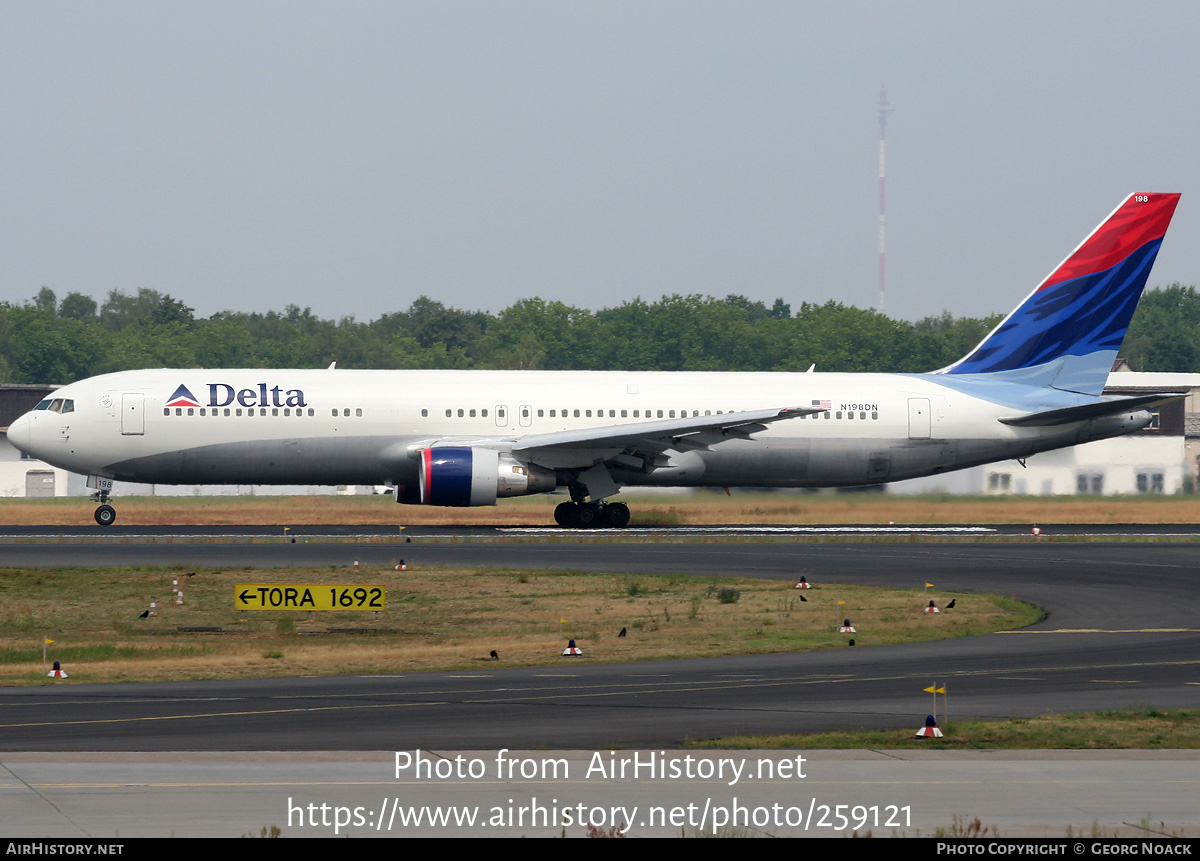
{"type": "Point", "coordinates": [893, 531]}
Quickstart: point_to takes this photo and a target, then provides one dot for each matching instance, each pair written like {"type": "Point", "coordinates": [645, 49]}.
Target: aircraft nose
{"type": "Point", "coordinates": [18, 433]}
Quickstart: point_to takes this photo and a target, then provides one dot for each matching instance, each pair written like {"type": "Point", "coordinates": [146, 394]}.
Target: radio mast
{"type": "Point", "coordinates": [884, 110]}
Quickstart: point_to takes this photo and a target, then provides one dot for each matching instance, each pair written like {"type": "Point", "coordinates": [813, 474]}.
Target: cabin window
{"type": "Point", "coordinates": [424, 414]}
{"type": "Point", "coordinates": [576, 413]}
{"type": "Point", "coordinates": [311, 411]}
{"type": "Point", "coordinates": [449, 413]}
{"type": "Point", "coordinates": [839, 414]}
{"type": "Point", "coordinates": [191, 411]}
{"type": "Point", "coordinates": [460, 412]}
{"type": "Point", "coordinates": [624, 414]}
{"type": "Point", "coordinates": [874, 417]}
{"type": "Point", "coordinates": [483, 413]}
{"type": "Point", "coordinates": [274, 411]}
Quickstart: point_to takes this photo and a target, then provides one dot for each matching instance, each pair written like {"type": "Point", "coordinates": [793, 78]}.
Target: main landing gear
{"type": "Point", "coordinates": [592, 515]}
{"type": "Point", "coordinates": [105, 514]}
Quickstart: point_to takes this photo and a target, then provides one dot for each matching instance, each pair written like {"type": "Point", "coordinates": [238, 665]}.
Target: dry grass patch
{"type": "Point", "coordinates": [441, 618]}
{"type": "Point", "coordinates": [699, 508]}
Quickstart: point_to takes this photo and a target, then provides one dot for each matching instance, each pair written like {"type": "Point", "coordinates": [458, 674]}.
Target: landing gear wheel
{"type": "Point", "coordinates": [616, 515]}
{"type": "Point", "coordinates": [587, 516]}
{"type": "Point", "coordinates": [105, 515]}
{"type": "Point", "coordinates": [565, 513]}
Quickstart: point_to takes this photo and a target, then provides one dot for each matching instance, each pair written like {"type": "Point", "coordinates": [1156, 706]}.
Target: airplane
{"type": "Point", "coordinates": [468, 438]}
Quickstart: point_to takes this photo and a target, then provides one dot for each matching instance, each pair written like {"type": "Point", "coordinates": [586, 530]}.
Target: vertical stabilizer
{"type": "Point", "coordinates": [1067, 332]}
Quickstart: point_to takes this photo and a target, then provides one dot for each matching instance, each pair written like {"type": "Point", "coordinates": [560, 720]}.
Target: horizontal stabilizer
{"type": "Point", "coordinates": [1083, 412]}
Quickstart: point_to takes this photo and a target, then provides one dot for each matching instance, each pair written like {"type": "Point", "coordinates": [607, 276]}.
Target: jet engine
{"type": "Point", "coordinates": [461, 476]}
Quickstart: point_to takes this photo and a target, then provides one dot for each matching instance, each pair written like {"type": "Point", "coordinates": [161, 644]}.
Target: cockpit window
{"type": "Point", "coordinates": [44, 405]}
{"type": "Point", "coordinates": [56, 405]}
{"type": "Point", "coordinates": [68, 406]}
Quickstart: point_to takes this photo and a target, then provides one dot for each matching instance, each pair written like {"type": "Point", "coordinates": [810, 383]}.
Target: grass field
{"type": "Point", "coordinates": [698, 508]}
{"type": "Point", "coordinates": [443, 619]}
{"type": "Point", "coordinates": [1149, 729]}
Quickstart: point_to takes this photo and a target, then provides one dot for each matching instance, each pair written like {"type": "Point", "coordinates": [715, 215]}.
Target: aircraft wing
{"type": "Point", "coordinates": [588, 445]}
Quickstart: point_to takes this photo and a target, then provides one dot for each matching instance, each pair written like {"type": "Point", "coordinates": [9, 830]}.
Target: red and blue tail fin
{"type": "Point", "coordinates": [1067, 332]}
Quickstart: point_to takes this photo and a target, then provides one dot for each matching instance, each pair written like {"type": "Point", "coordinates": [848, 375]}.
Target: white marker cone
{"type": "Point", "coordinates": [930, 730]}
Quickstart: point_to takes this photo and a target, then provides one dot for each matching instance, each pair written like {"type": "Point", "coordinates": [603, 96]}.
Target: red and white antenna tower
{"type": "Point", "coordinates": [884, 110]}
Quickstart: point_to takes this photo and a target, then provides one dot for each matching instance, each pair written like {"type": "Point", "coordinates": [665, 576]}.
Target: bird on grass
{"type": "Point", "coordinates": [950, 606]}
{"type": "Point", "coordinates": [622, 634]}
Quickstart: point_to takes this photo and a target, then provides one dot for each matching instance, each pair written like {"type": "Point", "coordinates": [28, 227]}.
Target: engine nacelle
{"type": "Point", "coordinates": [462, 476]}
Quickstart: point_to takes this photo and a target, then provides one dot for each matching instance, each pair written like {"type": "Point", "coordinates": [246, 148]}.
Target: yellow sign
{"type": "Point", "coordinates": [303, 596]}
{"type": "Point", "coordinates": [933, 690]}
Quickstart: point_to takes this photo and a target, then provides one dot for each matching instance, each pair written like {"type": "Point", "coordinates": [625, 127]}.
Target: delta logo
{"type": "Point", "coordinates": [182, 398]}
{"type": "Point", "coordinates": [223, 394]}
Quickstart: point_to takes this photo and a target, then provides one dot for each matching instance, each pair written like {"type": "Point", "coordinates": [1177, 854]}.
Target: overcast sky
{"type": "Point", "coordinates": [353, 156]}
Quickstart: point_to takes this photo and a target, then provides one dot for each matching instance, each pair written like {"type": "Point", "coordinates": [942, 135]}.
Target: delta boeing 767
{"type": "Point", "coordinates": [464, 438]}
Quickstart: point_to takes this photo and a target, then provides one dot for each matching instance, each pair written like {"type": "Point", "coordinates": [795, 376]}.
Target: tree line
{"type": "Point", "coordinates": [46, 340]}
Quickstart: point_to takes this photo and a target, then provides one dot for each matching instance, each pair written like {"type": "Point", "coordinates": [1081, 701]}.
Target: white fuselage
{"type": "Point", "coordinates": [343, 426]}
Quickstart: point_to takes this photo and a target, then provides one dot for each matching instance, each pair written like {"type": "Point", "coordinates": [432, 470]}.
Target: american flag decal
{"type": "Point", "coordinates": [821, 405]}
